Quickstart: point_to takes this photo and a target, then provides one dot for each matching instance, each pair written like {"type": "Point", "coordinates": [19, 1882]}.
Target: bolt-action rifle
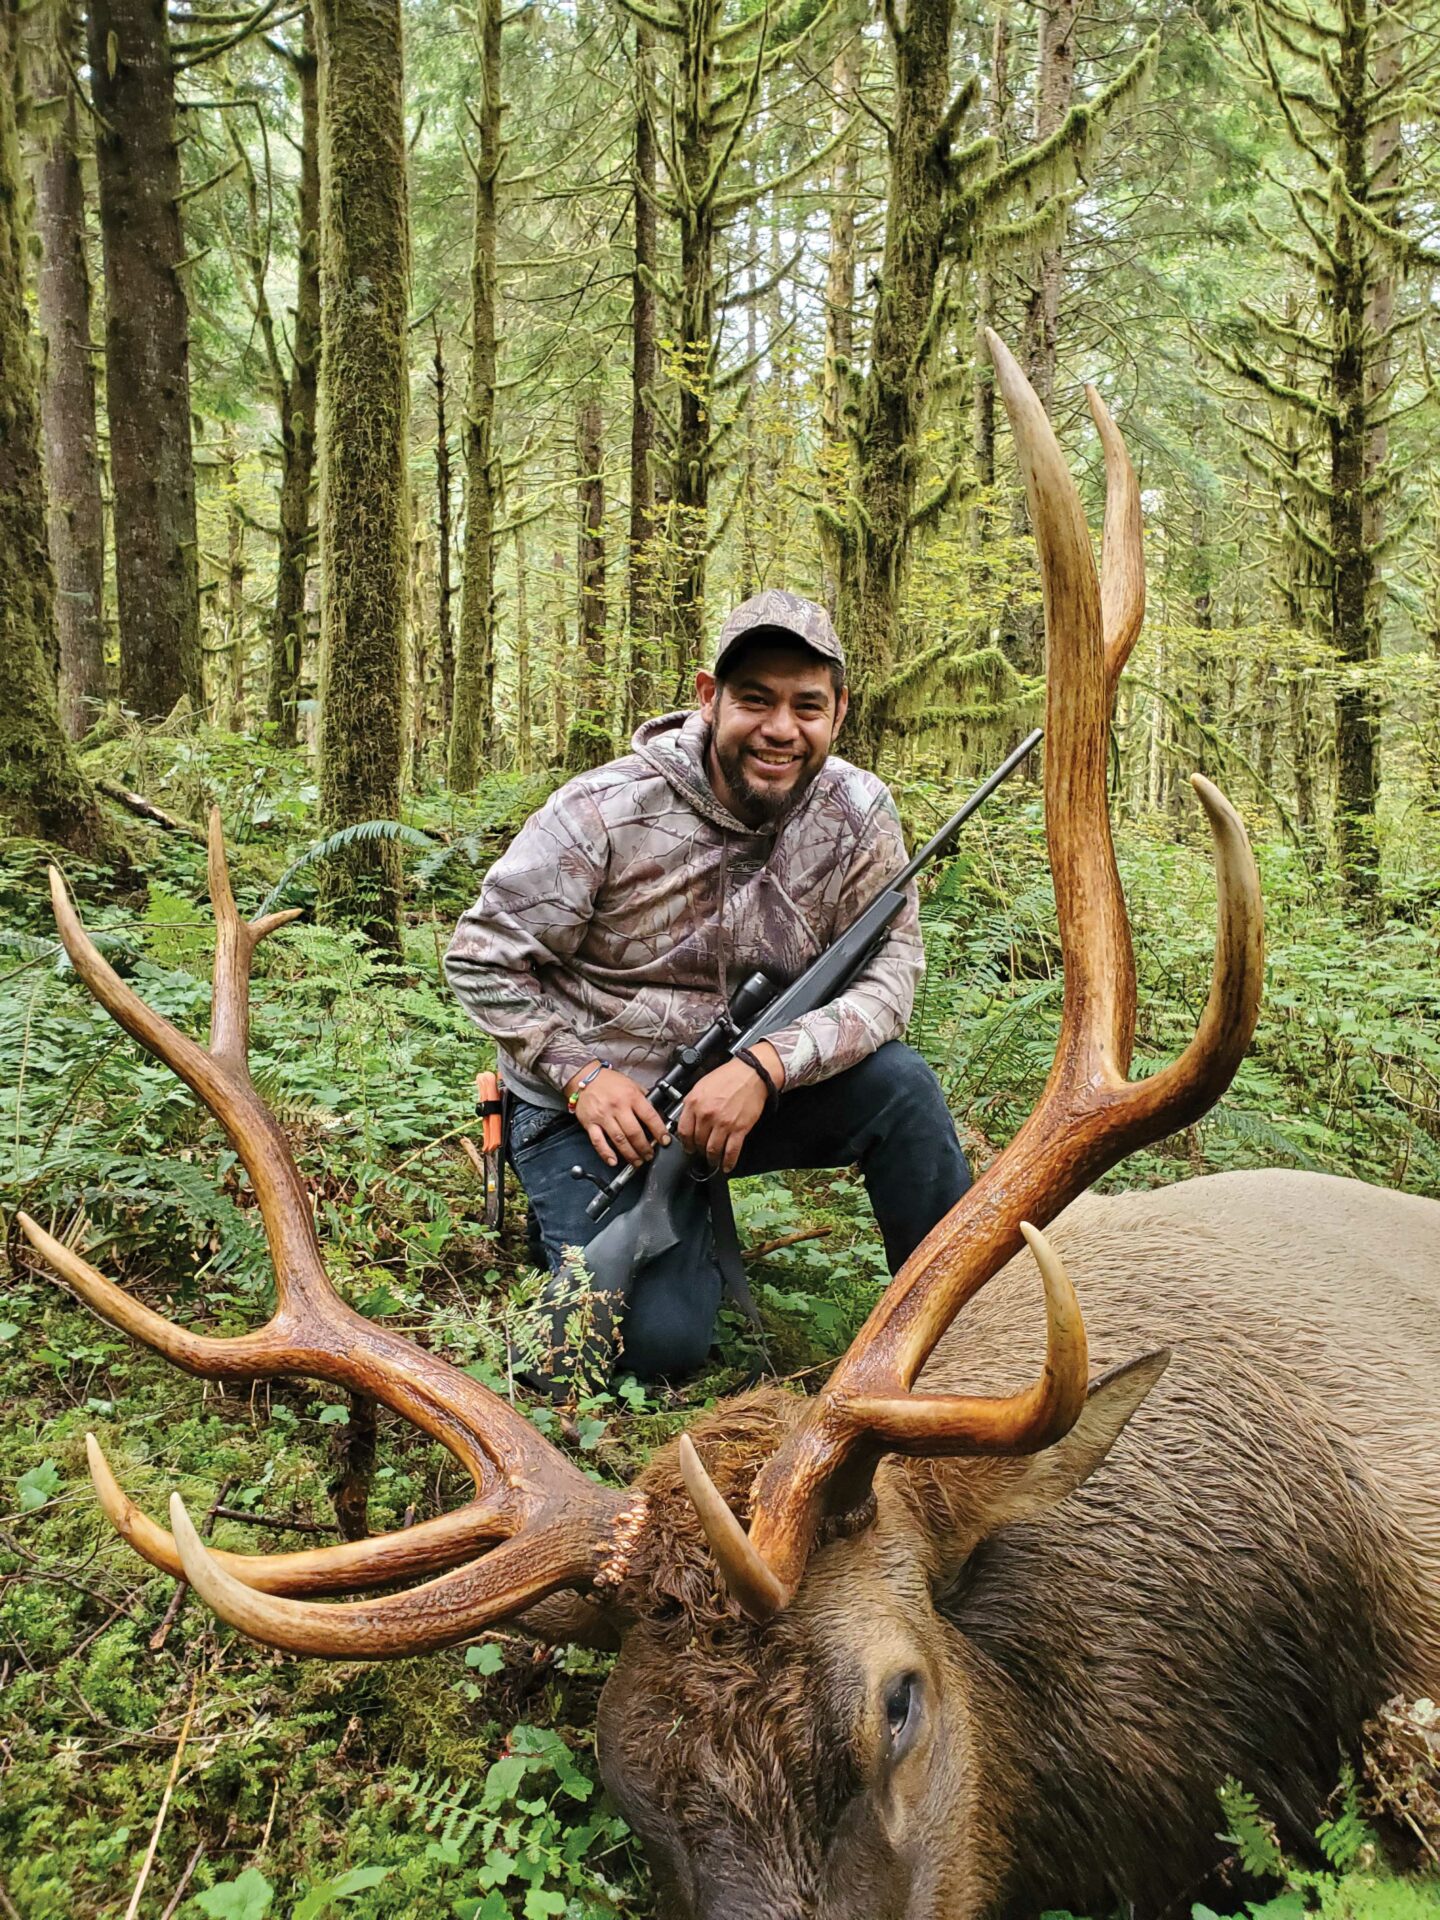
{"type": "Point", "coordinates": [759, 1007]}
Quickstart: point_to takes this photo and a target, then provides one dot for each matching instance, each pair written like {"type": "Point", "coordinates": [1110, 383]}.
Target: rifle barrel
{"type": "Point", "coordinates": [937, 844]}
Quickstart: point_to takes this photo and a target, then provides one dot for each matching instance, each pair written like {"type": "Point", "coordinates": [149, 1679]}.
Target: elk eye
{"type": "Point", "coordinates": [902, 1713]}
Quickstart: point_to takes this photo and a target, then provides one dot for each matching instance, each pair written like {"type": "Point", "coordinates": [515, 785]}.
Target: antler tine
{"type": "Point", "coordinates": [1089, 1115]}
{"type": "Point", "coordinates": [529, 1496]}
{"type": "Point", "coordinates": [427, 1547]}
{"type": "Point", "coordinates": [512, 1579]}
{"type": "Point", "coordinates": [1122, 563]}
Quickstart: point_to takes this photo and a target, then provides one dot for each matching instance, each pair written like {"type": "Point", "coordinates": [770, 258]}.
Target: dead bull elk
{"type": "Point", "coordinates": [874, 1663]}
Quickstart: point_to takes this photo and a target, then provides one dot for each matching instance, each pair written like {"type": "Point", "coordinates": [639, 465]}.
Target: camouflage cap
{"type": "Point", "coordinates": [780, 612]}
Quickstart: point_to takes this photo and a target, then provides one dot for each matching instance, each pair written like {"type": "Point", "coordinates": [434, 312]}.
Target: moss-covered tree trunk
{"type": "Point", "coordinates": [945, 203]}
{"type": "Point", "coordinates": [443, 535]}
{"type": "Point", "coordinates": [364, 408]}
{"type": "Point", "coordinates": [690, 468]}
{"type": "Point", "coordinates": [873, 548]}
{"type": "Point", "coordinates": [147, 369]}
{"type": "Point", "coordinates": [472, 726]}
{"type": "Point", "coordinates": [297, 423]}
{"type": "Point", "coordinates": [589, 743]}
{"type": "Point", "coordinates": [72, 454]}
{"type": "Point", "coordinates": [42, 791]}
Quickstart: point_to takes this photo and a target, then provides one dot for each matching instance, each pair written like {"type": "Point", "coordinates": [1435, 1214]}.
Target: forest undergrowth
{"type": "Point", "coordinates": [464, 1784]}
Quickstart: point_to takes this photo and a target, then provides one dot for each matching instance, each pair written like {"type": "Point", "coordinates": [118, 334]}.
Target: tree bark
{"type": "Point", "coordinates": [76, 518]}
{"type": "Point", "coordinates": [42, 790]}
{"type": "Point", "coordinates": [874, 551]}
{"type": "Point", "coordinates": [1353, 574]}
{"type": "Point", "coordinates": [472, 730]}
{"type": "Point", "coordinates": [694, 443]}
{"type": "Point", "coordinates": [524, 732]}
{"type": "Point", "coordinates": [589, 743]}
{"type": "Point", "coordinates": [297, 424]}
{"type": "Point", "coordinates": [559, 684]}
{"type": "Point", "coordinates": [839, 298]}
{"type": "Point", "coordinates": [999, 121]}
{"type": "Point", "coordinates": [646, 675]}
{"type": "Point", "coordinates": [1054, 91]}
{"type": "Point", "coordinates": [364, 497]}
{"type": "Point", "coordinates": [444, 537]}
{"type": "Point", "coordinates": [147, 372]}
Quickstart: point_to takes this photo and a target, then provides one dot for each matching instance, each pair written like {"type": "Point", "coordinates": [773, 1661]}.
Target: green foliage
{"type": "Point", "coordinates": [462, 1784]}
{"type": "Point", "coordinates": [247, 1897]}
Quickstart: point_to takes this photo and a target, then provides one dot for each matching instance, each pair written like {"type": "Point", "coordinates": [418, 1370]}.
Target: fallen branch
{"type": "Point", "coordinates": [182, 1587]}
{"type": "Point", "coordinates": [278, 1521]}
{"type": "Point", "coordinates": [147, 810]}
{"type": "Point", "coordinates": [183, 1882]}
{"type": "Point", "coordinates": [149, 1860]}
{"type": "Point", "coordinates": [787, 1240]}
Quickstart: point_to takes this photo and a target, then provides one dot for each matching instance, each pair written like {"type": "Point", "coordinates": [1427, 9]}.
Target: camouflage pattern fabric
{"type": "Point", "coordinates": [633, 903]}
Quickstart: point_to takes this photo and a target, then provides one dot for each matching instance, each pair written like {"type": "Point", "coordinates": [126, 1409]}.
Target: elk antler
{"type": "Point", "coordinates": [549, 1527]}
{"type": "Point", "coordinates": [1089, 1115]}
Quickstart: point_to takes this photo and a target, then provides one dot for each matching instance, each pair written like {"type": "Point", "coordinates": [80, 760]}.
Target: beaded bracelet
{"type": "Point", "coordinates": [600, 1066]}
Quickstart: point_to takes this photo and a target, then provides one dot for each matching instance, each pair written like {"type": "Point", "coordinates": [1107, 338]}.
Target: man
{"type": "Point", "coordinates": [627, 911]}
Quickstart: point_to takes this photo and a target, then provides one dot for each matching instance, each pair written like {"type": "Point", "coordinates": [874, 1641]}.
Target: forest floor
{"type": "Point", "coordinates": [462, 1784]}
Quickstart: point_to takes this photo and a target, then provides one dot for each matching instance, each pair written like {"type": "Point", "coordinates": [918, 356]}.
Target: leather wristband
{"type": "Point", "coordinates": [600, 1066]}
{"type": "Point", "coordinates": [772, 1092]}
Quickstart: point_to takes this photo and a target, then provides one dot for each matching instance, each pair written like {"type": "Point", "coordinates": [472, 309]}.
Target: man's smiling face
{"type": "Point", "coordinates": [772, 722]}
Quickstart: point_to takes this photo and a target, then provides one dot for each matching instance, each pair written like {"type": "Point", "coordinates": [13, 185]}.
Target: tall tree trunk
{"type": "Point", "coordinates": [694, 441]}
{"type": "Point", "coordinates": [524, 695]}
{"type": "Point", "coordinates": [472, 730]}
{"type": "Point", "coordinates": [646, 676]}
{"type": "Point", "coordinates": [839, 299]}
{"type": "Point", "coordinates": [560, 662]}
{"type": "Point", "coordinates": [875, 552]}
{"type": "Point", "coordinates": [234, 618]}
{"type": "Point", "coordinates": [1054, 91]}
{"type": "Point", "coordinates": [364, 498]}
{"type": "Point", "coordinates": [589, 739]}
{"type": "Point", "coordinates": [42, 790]}
{"type": "Point", "coordinates": [147, 371]}
{"type": "Point", "coordinates": [1354, 623]}
{"type": "Point", "coordinates": [72, 456]}
{"type": "Point", "coordinates": [297, 425]}
{"type": "Point", "coordinates": [749, 478]}
{"type": "Point", "coordinates": [999, 122]}
{"type": "Point", "coordinates": [443, 537]}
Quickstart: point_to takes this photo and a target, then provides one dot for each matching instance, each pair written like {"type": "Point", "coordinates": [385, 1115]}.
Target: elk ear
{"type": "Point", "coordinates": [1006, 1493]}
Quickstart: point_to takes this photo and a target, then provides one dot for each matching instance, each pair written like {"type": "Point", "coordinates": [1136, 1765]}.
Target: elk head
{"type": "Point", "coordinates": [795, 1727]}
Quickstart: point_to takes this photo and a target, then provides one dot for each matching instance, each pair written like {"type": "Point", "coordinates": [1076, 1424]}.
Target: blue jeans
{"type": "Point", "coordinates": [887, 1116]}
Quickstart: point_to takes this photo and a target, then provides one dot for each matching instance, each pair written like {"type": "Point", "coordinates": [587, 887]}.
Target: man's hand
{"type": "Point", "coordinates": [619, 1119]}
{"type": "Point", "coordinates": [720, 1110]}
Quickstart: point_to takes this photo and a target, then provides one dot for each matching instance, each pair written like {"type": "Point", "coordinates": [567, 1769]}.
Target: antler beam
{"type": "Point", "coordinates": [555, 1527]}
{"type": "Point", "coordinates": [1090, 1114]}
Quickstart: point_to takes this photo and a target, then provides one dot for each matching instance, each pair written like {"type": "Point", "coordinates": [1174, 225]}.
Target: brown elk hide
{"type": "Point", "coordinates": [1248, 1575]}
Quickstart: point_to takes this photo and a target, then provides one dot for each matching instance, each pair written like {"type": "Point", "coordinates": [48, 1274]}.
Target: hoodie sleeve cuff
{"type": "Point", "coordinates": [564, 1056]}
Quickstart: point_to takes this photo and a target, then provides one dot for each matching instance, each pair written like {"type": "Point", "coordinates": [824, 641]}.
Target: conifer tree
{"type": "Point", "coordinates": [147, 365]}
{"type": "Point", "coordinates": [472, 723]}
{"type": "Point", "coordinates": [72, 456]}
{"type": "Point", "coordinates": [1341, 74]}
{"type": "Point", "coordinates": [945, 203]}
{"type": "Point", "coordinates": [705, 96]}
{"type": "Point", "coordinates": [42, 790]}
{"type": "Point", "coordinates": [364, 417]}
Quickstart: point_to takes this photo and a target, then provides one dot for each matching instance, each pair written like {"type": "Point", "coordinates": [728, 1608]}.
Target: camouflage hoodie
{"type": "Point", "coordinates": [633, 904]}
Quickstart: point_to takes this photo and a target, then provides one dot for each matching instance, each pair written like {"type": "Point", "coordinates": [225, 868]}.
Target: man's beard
{"type": "Point", "coordinates": [760, 806]}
